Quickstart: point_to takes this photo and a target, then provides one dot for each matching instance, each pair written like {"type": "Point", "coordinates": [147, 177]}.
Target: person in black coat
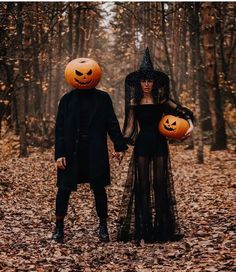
{"type": "Point", "coordinates": [84, 118]}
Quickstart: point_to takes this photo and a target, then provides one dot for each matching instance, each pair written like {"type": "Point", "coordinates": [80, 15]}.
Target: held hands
{"type": "Point", "coordinates": [61, 163]}
{"type": "Point", "coordinates": [189, 131]}
{"type": "Point", "coordinates": [119, 156]}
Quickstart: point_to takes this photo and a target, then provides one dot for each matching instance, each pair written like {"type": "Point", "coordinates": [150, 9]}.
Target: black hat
{"type": "Point", "coordinates": [146, 64]}
{"type": "Point", "coordinates": [146, 71]}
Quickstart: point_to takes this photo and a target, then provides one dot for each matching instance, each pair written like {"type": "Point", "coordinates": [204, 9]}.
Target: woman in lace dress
{"type": "Point", "coordinates": [148, 209]}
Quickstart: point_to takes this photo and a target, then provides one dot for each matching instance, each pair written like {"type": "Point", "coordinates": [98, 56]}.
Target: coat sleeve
{"type": "Point", "coordinates": [59, 130]}
{"type": "Point", "coordinates": [171, 107]}
{"type": "Point", "coordinates": [130, 126]}
{"type": "Point", "coordinates": [113, 128]}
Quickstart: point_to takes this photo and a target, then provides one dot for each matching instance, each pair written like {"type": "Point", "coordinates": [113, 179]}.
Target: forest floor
{"type": "Point", "coordinates": [206, 205]}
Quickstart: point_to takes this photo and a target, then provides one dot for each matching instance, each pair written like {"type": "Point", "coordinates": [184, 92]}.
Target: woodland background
{"type": "Point", "coordinates": [194, 43]}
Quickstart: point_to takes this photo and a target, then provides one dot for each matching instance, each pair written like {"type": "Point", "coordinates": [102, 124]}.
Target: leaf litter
{"type": "Point", "coordinates": [205, 196]}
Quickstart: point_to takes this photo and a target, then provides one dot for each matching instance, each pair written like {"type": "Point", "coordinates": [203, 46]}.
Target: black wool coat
{"type": "Point", "coordinates": [102, 121]}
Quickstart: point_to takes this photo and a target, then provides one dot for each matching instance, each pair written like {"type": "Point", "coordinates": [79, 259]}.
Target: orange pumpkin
{"type": "Point", "coordinates": [173, 127]}
{"type": "Point", "coordinates": [83, 73]}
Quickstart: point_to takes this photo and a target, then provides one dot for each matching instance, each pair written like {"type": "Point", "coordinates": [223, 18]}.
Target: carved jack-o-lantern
{"type": "Point", "coordinates": [173, 126]}
{"type": "Point", "coordinates": [83, 73]}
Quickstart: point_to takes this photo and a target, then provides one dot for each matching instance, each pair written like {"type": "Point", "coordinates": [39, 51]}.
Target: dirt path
{"type": "Point", "coordinates": [206, 204]}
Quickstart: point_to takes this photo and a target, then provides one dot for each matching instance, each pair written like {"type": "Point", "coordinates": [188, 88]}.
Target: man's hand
{"type": "Point", "coordinates": [61, 163]}
{"type": "Point", "coordinates": [119, 156]}
{"type": "Point", "coordinates": [189, 131]}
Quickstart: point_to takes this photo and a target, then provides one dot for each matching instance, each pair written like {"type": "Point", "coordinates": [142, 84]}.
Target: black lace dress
{"type": "Point", "coordinates": [148, 208]}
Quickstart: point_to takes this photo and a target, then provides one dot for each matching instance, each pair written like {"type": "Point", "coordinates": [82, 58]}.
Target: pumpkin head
{"type": "Point", "coordinates": [83, 73]}
{"type": "Point", "coordinates": [173, 127]}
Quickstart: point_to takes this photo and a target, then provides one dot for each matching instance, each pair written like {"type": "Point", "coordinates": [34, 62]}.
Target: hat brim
{"type": "Point", "coordinates": [160, 78]}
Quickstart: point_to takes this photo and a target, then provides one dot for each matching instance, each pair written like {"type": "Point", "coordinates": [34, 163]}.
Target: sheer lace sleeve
{"type": "Point", "coordinates": [171, 107]}
{"type": "Point", "coordinates": [130, 127]}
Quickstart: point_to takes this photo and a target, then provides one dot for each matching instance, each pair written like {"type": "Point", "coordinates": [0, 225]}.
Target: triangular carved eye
{"type": "Point", "coordinates": [78, 73]}
{"type": "Point", "coordinates": [89, 72]}
{"type": "Point", "coordinates": [174, 123]}
{"type": "Point", "coordinates": [167, 121]}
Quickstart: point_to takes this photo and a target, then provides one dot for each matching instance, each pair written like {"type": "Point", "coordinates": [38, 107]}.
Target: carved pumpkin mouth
{"type": "Point", "coordinates": [83, 83]}
{"type": "Point", "coordinates": [168, 128]}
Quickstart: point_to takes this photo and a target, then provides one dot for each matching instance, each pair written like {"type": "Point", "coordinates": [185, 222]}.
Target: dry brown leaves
{"type": "Point", "coordinates": [206, 204]}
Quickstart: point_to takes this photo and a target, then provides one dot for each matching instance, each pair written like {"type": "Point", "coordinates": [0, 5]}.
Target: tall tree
{"type": "Point", "coordinates": [197, 75]}
{"type": "Point", "coordinates": [20, 91]}
{"type": "Point", "coordinates": [208, 17]}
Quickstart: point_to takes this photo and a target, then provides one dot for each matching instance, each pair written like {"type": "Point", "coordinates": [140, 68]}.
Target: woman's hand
{"type": "Point", "coordinates": [61, 163]}
{"type": "Point", "coordinates": [189, 131]}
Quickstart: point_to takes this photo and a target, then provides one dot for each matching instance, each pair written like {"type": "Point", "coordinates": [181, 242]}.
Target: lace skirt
{"type": "Point", "coordinates": [148, 207]}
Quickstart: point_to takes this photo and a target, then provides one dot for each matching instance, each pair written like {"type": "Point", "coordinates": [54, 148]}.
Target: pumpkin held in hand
{"type": "Point", "coordinates": [83, 73]}
{"type": "Point", "coordinates": [173, 126]}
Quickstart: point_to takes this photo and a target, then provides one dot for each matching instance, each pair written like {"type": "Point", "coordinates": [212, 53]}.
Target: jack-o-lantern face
{"type": "Point", "coordinates": [173, 126]}
{"type": "Point", "coordinates": [83, 73]}
{"type": "Point", "coordinates": [168, 126]}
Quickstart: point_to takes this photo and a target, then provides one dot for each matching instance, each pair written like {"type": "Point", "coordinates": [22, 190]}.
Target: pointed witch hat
{"type": "Point", "coordinates": [146, 71]}
{"type": "Point", "coordinates": [146, 64]}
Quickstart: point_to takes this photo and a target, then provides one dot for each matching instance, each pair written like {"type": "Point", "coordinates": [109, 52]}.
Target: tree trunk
{"type": "Point", "coordinates": [219, 138]}
{"type": "Point", "coordinates": [36, 69]}
{"type": "Point", "coordinates": [50, 104]}
{"type": "Point", "coordinates": [70, 33]}
{"type": "Point", "coordinates": [167, 54]}
{"type": "Point", "coordinates": [57, 85]}
{"type": "Point", "coordinates": [20, 91]}
{"type": "Point", "coordinates": [197, 76]}
{"type": "Point", "coordinates": [82, 34]}
{"type": "Point", "coordinates": [77, 31]}
{"type": "Point", "coordinates": [133, 31]}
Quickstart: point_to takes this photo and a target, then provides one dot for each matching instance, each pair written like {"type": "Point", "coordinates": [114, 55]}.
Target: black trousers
{"type": "Point", "coordinates": [62, 201]}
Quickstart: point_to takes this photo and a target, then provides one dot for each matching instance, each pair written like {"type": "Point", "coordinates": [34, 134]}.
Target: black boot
{"type": "Point", "coordinates": [103, 231]}
{"type": "Point", "coordinates": [58, 234]}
